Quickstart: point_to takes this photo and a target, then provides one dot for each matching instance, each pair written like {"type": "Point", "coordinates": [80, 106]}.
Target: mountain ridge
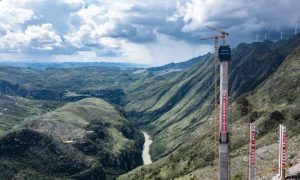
{"type": "Point", "coordinates": [193, 158]}
{"type": "Point", "coordinates": [190, 93]}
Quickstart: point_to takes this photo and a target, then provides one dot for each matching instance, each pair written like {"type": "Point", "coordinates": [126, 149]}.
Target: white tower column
{"type": "Point", "coordinates": [224, 57]}
{"type": "Point", "coordinates": [252, 152]}
{"type": "Point", "coordinates": [282, 151]}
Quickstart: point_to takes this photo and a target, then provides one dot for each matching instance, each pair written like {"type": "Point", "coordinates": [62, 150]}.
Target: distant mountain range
{"type": "Point", "coordinates": [61, 65]}
{"type": "Point", "coordinates": [173, 67]}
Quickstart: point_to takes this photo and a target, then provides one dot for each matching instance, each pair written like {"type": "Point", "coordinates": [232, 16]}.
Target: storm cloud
{"type": "Point", "coordinates": [151, 32]}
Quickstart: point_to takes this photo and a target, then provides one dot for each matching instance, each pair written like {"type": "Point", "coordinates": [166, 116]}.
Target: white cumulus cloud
{"type": "Point", "coordinates": [153, 32]}
{"type": "Point", "coordinates": [41, 37]}
{"type": "Point", "coordinates": [237, 16]}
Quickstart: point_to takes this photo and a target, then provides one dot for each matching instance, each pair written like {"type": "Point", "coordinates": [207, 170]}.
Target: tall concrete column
{"type": "Point", "coordinates": [223, 145]}
{"type": "Point", "coordinates": [251, 165]}
{"type": "Point", "coordinates": [282, 151]}
{"type": "Point", "coordinates": [224, 57]}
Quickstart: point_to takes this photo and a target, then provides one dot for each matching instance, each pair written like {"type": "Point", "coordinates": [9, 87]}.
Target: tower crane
{"type": "Point", "coordinates": [224, 34]}
{"type": "Point", "coordinates": [216, 120]}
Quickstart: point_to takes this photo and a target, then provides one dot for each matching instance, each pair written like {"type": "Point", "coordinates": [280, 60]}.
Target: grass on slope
{"type": "Point", "coordinates": [172, 106]}
{"type": "Point", "coordinates": [92, 139]}
{"type": "Point", "coordinates": [74, 79]}
{"type": "Point", "coordinates": [276, 102]}
{"type": "Point", "coordinates": [168, 105]}
{"type": "Point", "coordinates": [14, 110]}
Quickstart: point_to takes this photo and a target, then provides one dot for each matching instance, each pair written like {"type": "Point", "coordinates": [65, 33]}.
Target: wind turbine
{"type": "Point", "coordinates": [266, 36]}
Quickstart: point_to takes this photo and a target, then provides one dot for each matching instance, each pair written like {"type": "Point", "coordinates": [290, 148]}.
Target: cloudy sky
{"type": "Point", "coordinates": [151, 32]}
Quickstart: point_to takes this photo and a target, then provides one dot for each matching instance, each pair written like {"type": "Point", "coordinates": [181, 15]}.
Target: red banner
{"type": "Point", "coordinates": [253, 146]}
{"type": "Point", "coordinates": [282, 150]}
{"type": "Point", "coordinates": [224, 112]}
{"type": "Point", "coordinates": [283, 160]}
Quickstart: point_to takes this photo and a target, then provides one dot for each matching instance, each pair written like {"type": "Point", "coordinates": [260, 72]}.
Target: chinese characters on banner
{"type": "Point", "coordinates": [282, 151]}
{"type": "Point", "coordinates": [252, 145]}
{"type": "Point", "coordinates": [251, 161]}
{"type": "Point", "coordinates": [283, 160]}
{"type": "Point", "coordinates": [224, 112]}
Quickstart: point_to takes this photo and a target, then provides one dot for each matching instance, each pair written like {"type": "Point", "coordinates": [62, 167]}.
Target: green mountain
{"type": "Point", "coordinates": [82, 123]}
{"type": "Point", "coordinates": [67, 84]}
{"type": "Point", "coordinates": [14, 110]}
{"type": "Point", "coordinates": [66, 65]}
{"type": "Point", "coordinates": [87, 139]}
{"type": "Point", "coordinates": [178, 111]}
{"type": "Point", "coordinates": [172, 106]}
{"type": "Point", "coordinates": [173, 67]}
